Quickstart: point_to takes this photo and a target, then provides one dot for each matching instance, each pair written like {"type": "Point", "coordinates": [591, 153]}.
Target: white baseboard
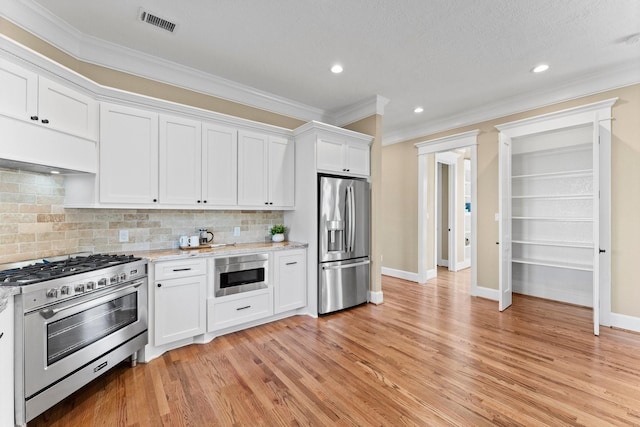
{"type": "Point", "coordinates": [488, 293]}
{"type": "Point", "coordinates": [431, 274]}
{"type": "Point", "coordinates": [624, 321]}
{"type": "Point", "coordinates": [375, 297]}
{"type": "Point", "coordinates": [464, 264]}
{"type": "Point", "coordinates": [400, 274]}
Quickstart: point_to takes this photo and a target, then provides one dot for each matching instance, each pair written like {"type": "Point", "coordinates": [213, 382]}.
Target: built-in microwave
{"type": "Point", "coordinates": [242, 273]}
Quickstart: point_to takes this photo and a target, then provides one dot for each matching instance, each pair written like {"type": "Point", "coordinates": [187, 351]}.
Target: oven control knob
{"type": "Point", "coordinates": [114, 279]}
{"type": "Point", "coordinates": [102, 282]}
{"type": "Point", "coordinates": [65, 290]}
{"type": "Point", "coordinates": [52, 293]}
{"type": "Point", "coordinates": [80, 287]}
{"type": "Point", "coordinates": [123, 277]}
{"type": "Point", "coordinates": [90, 286]}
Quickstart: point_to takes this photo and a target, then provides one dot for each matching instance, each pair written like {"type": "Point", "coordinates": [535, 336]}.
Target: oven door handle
{"type": "Point", "coordinates": [48, 313]}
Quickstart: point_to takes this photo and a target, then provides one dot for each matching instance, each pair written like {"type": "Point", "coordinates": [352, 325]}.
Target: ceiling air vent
{"type": "Point", "coordinates": [152, 19]}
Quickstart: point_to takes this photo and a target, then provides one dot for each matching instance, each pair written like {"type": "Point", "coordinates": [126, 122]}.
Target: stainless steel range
{"type": "Point", "coordinates": [75, 318]}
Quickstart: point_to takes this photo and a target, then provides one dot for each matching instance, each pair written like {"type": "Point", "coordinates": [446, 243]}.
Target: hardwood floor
{"type": "Point", "coordinates": [430, 355]}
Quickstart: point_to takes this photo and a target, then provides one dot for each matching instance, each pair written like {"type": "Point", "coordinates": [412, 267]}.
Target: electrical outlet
{"type": "Point", "coordinates": [124, 236]}
{"type": "Point", "coordinates": [236, 231]}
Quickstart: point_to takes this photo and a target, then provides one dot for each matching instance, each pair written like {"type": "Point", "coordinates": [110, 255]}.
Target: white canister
{"type": "Point", "coordinates": [194, 241]}
{"type": "Point", "coordinates": [183, 241]}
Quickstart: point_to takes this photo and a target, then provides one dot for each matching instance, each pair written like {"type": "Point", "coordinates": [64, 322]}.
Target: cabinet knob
{"type": "Point", "coordinates": [266, 203]}
{"type": "Point", "coordinates": [45, 121]}
{"type": "Point", "coordinates": [34, 117]}
{"type": "Point", "coordinates": [155, 200]}
{"type": "Point", "coordinates": [159, 285]}
{"type": "Point", "coordinates": [198, 201]}
{"type": "Point", "coordinates": [204, 201]}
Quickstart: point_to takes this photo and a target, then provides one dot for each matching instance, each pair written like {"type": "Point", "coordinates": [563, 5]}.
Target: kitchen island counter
{"type": "Point", "coordinates": [230, 249]}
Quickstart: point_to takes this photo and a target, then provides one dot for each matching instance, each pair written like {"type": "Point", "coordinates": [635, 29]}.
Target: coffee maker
{"type": "Point", "coordinates": [204, 236]}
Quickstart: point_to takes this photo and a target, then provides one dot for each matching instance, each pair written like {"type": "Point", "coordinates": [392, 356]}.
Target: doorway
{"type": "Point", "coordinates": [452, 150]}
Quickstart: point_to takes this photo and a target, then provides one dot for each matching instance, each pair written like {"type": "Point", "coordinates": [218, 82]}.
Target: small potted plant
{"type": "Point", "coordinates": [277, 232]}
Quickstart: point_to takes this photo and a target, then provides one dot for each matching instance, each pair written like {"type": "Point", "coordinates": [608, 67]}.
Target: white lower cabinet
{"type": "Point", "coordinates": [290, 280]}
{"type": "Point", "coordinates": [241, 308]}
{"type": "Point", "coordinates": [6, 362]}
{"type": "Point", "coordinates": [179, 291]}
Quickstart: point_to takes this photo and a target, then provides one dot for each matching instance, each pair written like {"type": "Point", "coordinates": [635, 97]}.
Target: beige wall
{"type": "Point", "coordinates": [373, 126]}
{"type": "Point", "coordinates": [625, 179]}
{"type": "Point", "coordinates": [129, 82]}
{"type": "Point", "coordinates": [35, 224]}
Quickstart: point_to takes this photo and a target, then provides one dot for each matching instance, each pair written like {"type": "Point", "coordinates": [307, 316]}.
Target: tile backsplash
{"type": "Point", "coordinates": [35, 224]}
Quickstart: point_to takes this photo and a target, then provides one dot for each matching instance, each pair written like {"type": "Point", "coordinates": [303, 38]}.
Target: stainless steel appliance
{"type": "Point", "coordinates": [343, 242]}
{"type": "Point", "coordinates": [242, 273]}
{"type": "Point", "coordinates": [75, 318]}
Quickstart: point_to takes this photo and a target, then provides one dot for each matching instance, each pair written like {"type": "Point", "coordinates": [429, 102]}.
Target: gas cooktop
{"type": "Point", "coordinates": [69, 266]}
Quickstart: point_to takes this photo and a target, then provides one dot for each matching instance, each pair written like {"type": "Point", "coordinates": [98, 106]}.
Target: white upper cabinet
{"type": "Point", "coordinates": [128, 155]}
{"type": "Point", "coordinates": [19, 91]}
{"type": "Point", "coordinates": [198, 163]}
{"type": "Point", "coordinates": [265, 171]}
{"type": "Point", "coordinates": [29, 97]}
{"type": "Point", "coordinates": [219, 165]}
{"type": "Point", "coordinates": [342, 157]}
{"type": "Point", "coordinates": [180, 164]}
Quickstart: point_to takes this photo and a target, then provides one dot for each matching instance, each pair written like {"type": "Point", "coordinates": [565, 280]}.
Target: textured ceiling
{"type": "Point", "coordinates": [449, 56]}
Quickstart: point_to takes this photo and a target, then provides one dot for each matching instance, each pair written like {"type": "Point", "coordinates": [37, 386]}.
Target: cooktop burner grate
{"type": "Point", "coordinates": [45, 270]}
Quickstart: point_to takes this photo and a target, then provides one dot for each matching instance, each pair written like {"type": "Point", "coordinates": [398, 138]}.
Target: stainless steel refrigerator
{"type": "Point", "coordinates": [344, 210]}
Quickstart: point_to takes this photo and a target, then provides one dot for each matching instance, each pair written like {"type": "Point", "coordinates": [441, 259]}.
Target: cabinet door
{"type": "Point", "coordinates": [67, 110]}
{"type": "Point", "coordinates": [6, 361]}
{"type": "Point", "coordinates": [128, 155]}
{"type": "Point", "coordinates": [281, 172]}
{"type": "Point", "coordinates": [219, 165]}
{"type": "Point", "coordinates": [290, 280]}
{"type": "Point", "coordinates": [329, 155]}
{"type": "Point", "coordinates": [19, 88]}
{"type": "Point", "coordinates": [180, 161]}
{"type": "Point", "coordinates": [180, 309]}
{"type": "Point", "coordinates": [252, 169]}
{"type": "Point", "coordinates": [357, 159]}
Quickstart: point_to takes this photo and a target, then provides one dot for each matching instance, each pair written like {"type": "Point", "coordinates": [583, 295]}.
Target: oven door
{"type": "Point", "coordinates": [61, 338]}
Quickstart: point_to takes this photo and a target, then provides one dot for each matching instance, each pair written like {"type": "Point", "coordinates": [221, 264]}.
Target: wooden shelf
{"type": "Point", "coordinates": [548, 175]}
{"type": "Point", "coordinates": [556, 197]}
{"type": "Point", "coordinates": [555, 151]}
{"type": "Point", "coordinates": [555, 264]}
{"type": "Point", "coordinates": [550, 219]}
{"type": "Point", "coordinates": [580, 245]}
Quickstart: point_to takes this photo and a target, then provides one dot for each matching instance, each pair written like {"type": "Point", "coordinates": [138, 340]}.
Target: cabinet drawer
{"type": "Point", "coordinates": [223, 314]}
{"type": "Point", "coordinates": [182, 268]}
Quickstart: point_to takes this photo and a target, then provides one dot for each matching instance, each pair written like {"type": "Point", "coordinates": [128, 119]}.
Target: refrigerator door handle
{"type": "Point", "coordinates": [353, 222]}
{"type": "Point", "coordinates": [339, 267]}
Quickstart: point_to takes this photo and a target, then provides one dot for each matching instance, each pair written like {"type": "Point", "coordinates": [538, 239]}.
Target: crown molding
{"type": "Point", "coordinates": [360, 110]}
{"type": "Point", "coordinates": [40, 22]}
{"type": "Point", "coordinates": [327, 129]}
{"type": "Point", "coordinates": [625, 75]}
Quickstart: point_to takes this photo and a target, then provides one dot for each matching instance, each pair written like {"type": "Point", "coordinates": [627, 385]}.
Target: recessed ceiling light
{"type": "Point", "coordinates": [540, 68]}
{"type": "Point", "coordinates": [418, 110]}
{"type": "Point", "coordinates": [55, 172]}
{"type": "Point", "coordinates": [336, 69]}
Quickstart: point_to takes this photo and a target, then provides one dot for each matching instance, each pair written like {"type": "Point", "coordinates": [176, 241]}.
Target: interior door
{"type": "Point", "coordinates": [504, 195]}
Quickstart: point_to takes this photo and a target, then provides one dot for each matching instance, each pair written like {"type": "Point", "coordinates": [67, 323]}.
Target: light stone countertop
{"type": "Point", "coordinates": [237, 249]}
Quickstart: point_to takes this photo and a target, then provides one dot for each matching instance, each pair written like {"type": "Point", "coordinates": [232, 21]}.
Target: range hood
{"type": "Point", "coordinates": [32, 167]}
{"type": "Point", "coordinates": [34, 148]}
